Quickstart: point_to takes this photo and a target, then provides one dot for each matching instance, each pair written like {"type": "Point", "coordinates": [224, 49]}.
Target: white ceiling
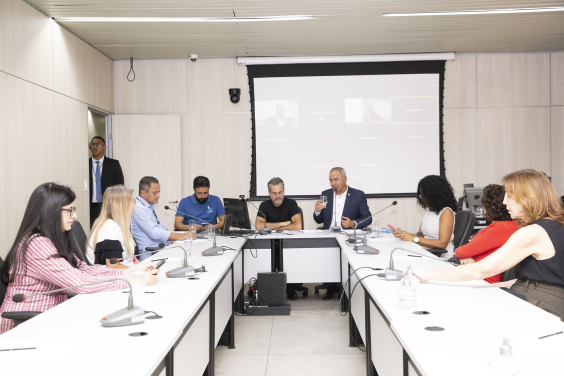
{"type": "Point", "coordinates": [340, 27]}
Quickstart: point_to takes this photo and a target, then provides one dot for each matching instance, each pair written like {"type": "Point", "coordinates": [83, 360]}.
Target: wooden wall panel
{"type": "Point", "coordinates": [26, 43]}
{"type": "Point", "coordinates": [220, 148]}
{"type": "Point", "coordinates": [461, 147]}
{"type": "Point", "coordinates": [460, 82]}
{"type": "Point", "coordinates": [149, 145]}
{"type": "Point", "coordinates": [557, 77]}
{"type": "Point", "coordinates": [69, 57]}
{"type": "Point", "coordinates": [513, 80]}
{"type": "Point", "coordinates": [99, 80]}
{"type": "Point", "coordinates": [512, 139]}
{"type": "Point", "coordinates": [209, 83]}
{"type": "Point", "coordinates": [70, 131]}
{"type": "Point", "coordinates": [160, 86]}
{"type": "Point", "coordinates": [557, 148]}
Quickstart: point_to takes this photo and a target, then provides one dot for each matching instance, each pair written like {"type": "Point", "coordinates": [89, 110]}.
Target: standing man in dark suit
{"type": "Point", "coordinates": [104, 172]}
{"type": "Point", "coordinates": [345, 207]}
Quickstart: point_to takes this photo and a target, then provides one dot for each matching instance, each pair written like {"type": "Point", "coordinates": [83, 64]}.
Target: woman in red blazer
{"type": "Point", "coordinates": [490, 239]}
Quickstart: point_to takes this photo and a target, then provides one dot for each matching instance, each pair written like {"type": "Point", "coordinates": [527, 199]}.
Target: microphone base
{"type": "Point", "coordinates": [356, 240]}
{"type": "Point", "coordinates": [181, 272]}
{"type": "Point", "coordinates": [265, 231]}
{"type": "Point", "coordinates": [393, 274]}
{"type": "Point", "coordinates": [335, 229]}
{"type": "Point", "coordinates": [124, 317]}
{"type": "Point", "coordinates": [367, 250]}
{"type": "Point", "coordinates": [213, 251]}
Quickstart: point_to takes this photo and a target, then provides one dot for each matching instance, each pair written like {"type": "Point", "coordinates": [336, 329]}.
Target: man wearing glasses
{"type": "Point", "coordinates": [104, 172]}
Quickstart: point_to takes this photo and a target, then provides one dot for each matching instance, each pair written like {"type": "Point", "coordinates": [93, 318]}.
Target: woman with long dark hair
{"type": "Point", "coordinates": [45, 256]}
{"type": "Point", "coordinates": [435, 195]}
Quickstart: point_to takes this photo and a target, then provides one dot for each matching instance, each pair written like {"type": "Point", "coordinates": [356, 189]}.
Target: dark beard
{"type": "Point", "coordinates": [202, 200]}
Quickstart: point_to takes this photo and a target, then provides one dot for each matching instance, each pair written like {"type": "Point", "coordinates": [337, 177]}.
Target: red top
{"type": "Point", "coordinates": [487, 242]}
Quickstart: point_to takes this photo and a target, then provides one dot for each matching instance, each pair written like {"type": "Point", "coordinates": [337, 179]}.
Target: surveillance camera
{"type": "Point", "coordinates": [234, 95]}
{"type": "Point", "coordinates": [193, 57]}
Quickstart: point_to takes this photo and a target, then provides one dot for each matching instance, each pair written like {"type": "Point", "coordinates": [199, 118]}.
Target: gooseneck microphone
{"type": "Point", "coordinates": [169, 208]}
{"type": "Point", "coordinates": [336, 227]}
{"type": "Point", "coordinates": [131, 315]}
{"type": "Point", "coordinates": [263, 231]}
{"type": "Point", "coordinates": [147, 250]}
{"type": "Point", "coordinates": [354, 238]}
{"type": "Point", "coordinates": [182, 271]}
{"type": "Point", "coordinates": [394, 275]}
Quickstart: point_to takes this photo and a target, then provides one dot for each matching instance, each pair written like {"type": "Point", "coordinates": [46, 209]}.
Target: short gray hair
{"type": "Point", "coordinates": [275, 181]}
{"type": "Point", "coordinates": [341, 170]}
{"type": "Point", "coordinates": [145, 183]}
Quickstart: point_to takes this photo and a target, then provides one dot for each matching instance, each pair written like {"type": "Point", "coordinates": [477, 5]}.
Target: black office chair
{"type": "Point", "coordinates": [302, 215]}
{"type": "Point", "coordinates": [464, 222]}
{"type": "Point", "coordinates": [18, 317]}
{"type": "Point", "coordinates": [78, 231]}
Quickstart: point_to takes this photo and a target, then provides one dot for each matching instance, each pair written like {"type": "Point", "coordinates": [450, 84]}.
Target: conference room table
{"type": "Point", "coordinates": [198, 313]}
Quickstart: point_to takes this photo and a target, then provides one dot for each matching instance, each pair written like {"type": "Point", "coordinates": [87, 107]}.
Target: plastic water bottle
{"type": "Point", "coordinates": [138, 286]}
{"type": "Point", "coordinates": [415, 282]}
{"type": "Point", "coordinates": [407, 296]}
{"type": "Point", "coordinates": [505, 364]}
{"type": "Point", "coordinates": [188, 248]}
{"type": "Point", "coordinates": [376, 233]}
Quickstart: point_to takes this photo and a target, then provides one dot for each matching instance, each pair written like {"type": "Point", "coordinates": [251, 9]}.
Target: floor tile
{"type": "Point", "coordinates": [317, 364]}
{"type": "Point", "coordinates": [240, 364]}
{"type": "Point", "coordinates": [321, 337]}
{"type": "Point", "coordinates": [250, 338]}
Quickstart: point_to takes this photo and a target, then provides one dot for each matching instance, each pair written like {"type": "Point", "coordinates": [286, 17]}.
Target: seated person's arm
{"type": "Point", "coordinates": [260, 223]}
{"type": "Point", "coordinates": [179, 224]}
{"type": "Point", "coordinates": [446, 225]}
{"type": "Point", "coordinates": [296, 224]}
{"type": "Point", "coordinates": [180, 236]}
{"type": "Point", "coordinates": [221, 220]}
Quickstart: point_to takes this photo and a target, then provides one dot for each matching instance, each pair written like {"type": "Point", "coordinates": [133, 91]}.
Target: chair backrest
{"type": "Point", "coordinates": [302, 214]}
{"type": "Point", "coordinates": [463, 226]}
{"type": "Point", "coordinates": [79, 235]}
{"type": "Point", "coordinates": [3, 287]}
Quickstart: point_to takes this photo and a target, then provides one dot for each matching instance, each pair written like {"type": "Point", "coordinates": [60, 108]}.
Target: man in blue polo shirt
{"type": "Point", "coordinates": [202, 205]}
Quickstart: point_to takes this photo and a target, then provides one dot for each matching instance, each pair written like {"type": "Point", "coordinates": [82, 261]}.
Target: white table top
{"type": "Point", "coordinates": [71, 341]}
{"type": "Point", "coordinates": [475, 315]}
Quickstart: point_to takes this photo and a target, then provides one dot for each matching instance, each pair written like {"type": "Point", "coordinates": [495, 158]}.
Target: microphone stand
{"type": "Point", "coordinates": [354, 239]}
{"type": "Point", "coordinates": [392, 274]}
{"type": "Point", "coordinates": [265, 230]}
{"type": "Point", "coordinates": [183, 271]}
{"type": "Point", "coordinates": [214, 250]}
{"type": "Point", "coordinates": [335, 228]}
{"type": "Point", "coordinates": [132, 315]}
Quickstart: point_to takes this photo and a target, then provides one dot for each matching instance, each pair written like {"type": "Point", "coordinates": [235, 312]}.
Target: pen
{"type": "Point", "coordinates": [146, 292]}
{"type": "Point", "coordinates": [550, 335]}
{"type": "Point", "coordinates": [413, 256]}
{"type": "Point", "coordinates": [22, 348]}
{"type": "Point", "coordinates": [166, 258]}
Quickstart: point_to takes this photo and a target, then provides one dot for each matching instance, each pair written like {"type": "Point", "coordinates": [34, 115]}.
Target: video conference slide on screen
{"type": "Point", "coordinates": [383, 129]}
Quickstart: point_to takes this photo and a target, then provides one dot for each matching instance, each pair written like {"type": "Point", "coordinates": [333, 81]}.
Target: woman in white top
{"type": "Point", "coordinates": [435, 194]}
{"type": "Point", "coordinates": [111, 236]}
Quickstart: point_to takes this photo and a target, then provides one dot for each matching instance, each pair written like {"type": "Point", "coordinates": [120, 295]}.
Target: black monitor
{"type": "Point", "coordinates": [474, 196]}
{"type": "Point", "coordinates": [238, 212]}
{"type": "Point", "coordinates": [469, 185]}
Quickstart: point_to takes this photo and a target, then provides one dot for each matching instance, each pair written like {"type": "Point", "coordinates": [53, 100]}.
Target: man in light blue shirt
{"type": "Point", "coordinates": [146, 226]}
{"type": "Point", "coordinates": [208, 208]}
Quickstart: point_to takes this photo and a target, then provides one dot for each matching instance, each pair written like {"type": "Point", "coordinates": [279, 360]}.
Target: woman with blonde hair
{"type": "Point", "coordinates": [536, 249]}
{"type": "Point", "coordinates": [111, 236]}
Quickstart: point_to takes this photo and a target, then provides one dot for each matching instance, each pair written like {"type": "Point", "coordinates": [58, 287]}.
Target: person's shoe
{"type": "Point", "coordinates": [329, 294]}
{"type": "Point", "coordinates": [292, 295]}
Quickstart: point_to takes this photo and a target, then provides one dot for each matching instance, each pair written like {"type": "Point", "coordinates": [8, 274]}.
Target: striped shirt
{"type": "Point", "coordinates": [45, 272]}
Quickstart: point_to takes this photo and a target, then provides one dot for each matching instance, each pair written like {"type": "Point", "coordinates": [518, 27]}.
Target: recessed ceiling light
{"type": "Point", "coordinates": [482, 11]}
{"type": "Point", "coordinates": [183, 19]}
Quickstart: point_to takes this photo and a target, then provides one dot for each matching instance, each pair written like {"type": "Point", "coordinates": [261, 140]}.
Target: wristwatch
{"type": "Point", "coordinates": [416, 239]}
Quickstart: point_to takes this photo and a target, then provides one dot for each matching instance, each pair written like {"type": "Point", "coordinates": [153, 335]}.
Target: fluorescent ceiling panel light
{"type": "Point", "coordinates": [342, 59]}
{"type": "Point", "coordinates": [183, 19]}
{"type": "Point", "coordinates": [483, 11]}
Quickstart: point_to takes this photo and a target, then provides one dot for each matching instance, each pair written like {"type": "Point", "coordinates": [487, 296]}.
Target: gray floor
{"type": "Point", "coordinates": [312, 341]}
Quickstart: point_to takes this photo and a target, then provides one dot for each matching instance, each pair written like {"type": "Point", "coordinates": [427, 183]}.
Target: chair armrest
{"type": "Point", "coordinates": [72, 295]}
{"type": "Point", "coordinates": [437, 252]}
{"type": "Point", "coordinates": [19, 317]}
{"type": "Point", "coordinates": [454, 260]}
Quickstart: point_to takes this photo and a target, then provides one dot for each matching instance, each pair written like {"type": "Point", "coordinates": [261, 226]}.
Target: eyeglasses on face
{"type": "Point", "coordinates": [97, 144]}
{"type": "Point", "coordinates": [71, 211]}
